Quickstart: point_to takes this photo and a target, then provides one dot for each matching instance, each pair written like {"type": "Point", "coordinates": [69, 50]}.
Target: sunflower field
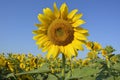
{"type": "Point", "coordinates": [60, 32]}
{"type": "Point", "coordinates": [15, 66]}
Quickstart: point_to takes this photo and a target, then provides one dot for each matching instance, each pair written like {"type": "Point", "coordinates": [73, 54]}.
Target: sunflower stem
{"type": "Point", "coordinates": [63, 67]}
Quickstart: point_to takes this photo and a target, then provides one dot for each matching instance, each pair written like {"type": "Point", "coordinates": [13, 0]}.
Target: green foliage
{"type": "Point", "coordinates": [109, 49]}
{"type": "Point", "coordinates": [104, 68]}
{"type": "Point", "coordinates": [84, 73]}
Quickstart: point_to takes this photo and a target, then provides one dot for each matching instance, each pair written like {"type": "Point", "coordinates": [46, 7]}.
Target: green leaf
{"type": "Point", "coordinates": [113, 78]}
{"type": "Point", "coordinates": [86, 73]}
{"type": "Point", "coordinates": [11, 75]}
{"type": "Point", "coordinates": [117, 66]}
{"type": "Point", "coordinates": [52, 77]}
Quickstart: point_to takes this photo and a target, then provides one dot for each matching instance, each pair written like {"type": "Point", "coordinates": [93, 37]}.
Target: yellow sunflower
{"type": "Point", "coordinates": [60, 31]}
{"type": "Point", "coordinates": [95, 46]}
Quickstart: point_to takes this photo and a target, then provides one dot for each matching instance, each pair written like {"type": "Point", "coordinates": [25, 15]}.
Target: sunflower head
{"type": "Point", "coordinates": [104, 52]}
{"type": "Point", "coordinates": [22, 65]}
{"type": "Point", "coordinates": [92, 55]}
{"type": "Point", "coordinates": [95, 46]}
{"type": "Point", "coordinates": [60, 31]}
{"type": "Point", "coordinates": [89, 45]}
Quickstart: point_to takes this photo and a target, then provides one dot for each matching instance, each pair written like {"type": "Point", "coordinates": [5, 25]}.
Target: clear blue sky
{"type": "Point", "coordinates": [17, 19]}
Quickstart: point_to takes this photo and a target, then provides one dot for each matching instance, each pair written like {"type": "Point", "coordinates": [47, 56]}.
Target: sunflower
{"type": "Point", "coordinates": [60, 31]}
{"type": "Point", "coordinates": [104, 52]}
{"type": "Point", "coordinates": [95, 46]}
{"type": "Point", "coordinates": [92, 55]}
{"type": "Point", "coordinates": [22, 65]}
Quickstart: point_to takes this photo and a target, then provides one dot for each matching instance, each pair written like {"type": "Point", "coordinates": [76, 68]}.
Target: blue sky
{"type": "Point", "coordinates": [17, 19]}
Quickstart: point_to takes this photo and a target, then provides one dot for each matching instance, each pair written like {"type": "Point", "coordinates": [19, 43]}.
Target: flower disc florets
{"type": "Point", "coordinates": [60, 32]}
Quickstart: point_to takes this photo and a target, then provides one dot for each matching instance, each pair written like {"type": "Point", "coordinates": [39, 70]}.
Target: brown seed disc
{"type": "Point", "coordinates": [60, 32]}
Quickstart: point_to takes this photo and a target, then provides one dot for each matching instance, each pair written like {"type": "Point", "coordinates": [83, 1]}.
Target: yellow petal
{"type": "Point", "coordinates": [48, 12]}
{"type": "Point", "coordinates": [64, 11]}
{"type": "Point", "coordinates": [86, 34]}
{"type": "Point", "coordinates": [62, 49]}
{"type": "Point", "coordinates": [43, 19]}
{"type": "Point", "coordinates": [39, 25]}
{"type": "Point", "coordinates": [66, 52]}
{"type": "Point", "coordinates": [77, 16]}
{"type": "Point", "coordinates": [71, 50]}
{"type": "Point", "coordinates": [56, 11]}
{"type": "Point", "coordinates": [81, 30]}
{"type": "Point", "coordinates": [53, 51]}
{"type": "Point", "coordinates": [56, 51]}
{"type": "Point", "coordinates": [38, 36]}
{"type": "Point", "coordinates": [48, 43]}
{"type": "Point", "coordinates": [38, 32]}
{"type": "Point", "coordinates": [44, 41]}
{"type": "Point", "coordinates": [41, 39]}
{"type": "Point", "coordinates": [77, 45]}
{"type": "Point", "coordinates": [35, 32]}
{"type": "Point", "coordinates": [46, 46]}
{"type": "Point", "coordinates": [50, 51]}
{"type": "Point", "coordinates": [78, 23]}
{"type": "Point", "coordinates": [72, 13]}
{"type": "Point", "coordinates": [80, 36]}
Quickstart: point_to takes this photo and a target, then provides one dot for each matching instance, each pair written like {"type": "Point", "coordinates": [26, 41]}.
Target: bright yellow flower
{"type": "Point", "coordinates": [97, 46]}
{"type": "Point", "coordinates": [20, 58]}
{"type": "Point", "coordinates": [22, 65]}
{"type": "Point", "coordinates": [104, 52]}
{"type": "Point", "coordinates": [23, 55]}
{"type": "Point", "coordinates": [89, 45]}
{"type": "Point", "coordinates": [85, 62]}
{"type": "Point", "coordinates": [33, 62]}
{"type": "Point", "coordinates": [30, 55]}
{"type": "Point", "coordinates": [92, 55]}
{"type": "Point", "coordinates": [107, 58]}
{"type": "Point", "coordinates": [2, 61]}
{"type": "Point", "coordinates": [14, 56]}
{"type": "Point", "coordinates": [60, 32]}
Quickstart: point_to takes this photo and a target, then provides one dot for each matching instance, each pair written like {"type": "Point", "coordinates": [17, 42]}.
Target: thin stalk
{"type": "Point", "coordinates": [63, 67]}
{"type": "Point", "coordinates": [70, 68]}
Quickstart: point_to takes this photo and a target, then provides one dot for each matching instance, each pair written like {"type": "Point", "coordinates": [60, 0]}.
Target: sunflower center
{"type": "Point", "coordinates": [60, 32]}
